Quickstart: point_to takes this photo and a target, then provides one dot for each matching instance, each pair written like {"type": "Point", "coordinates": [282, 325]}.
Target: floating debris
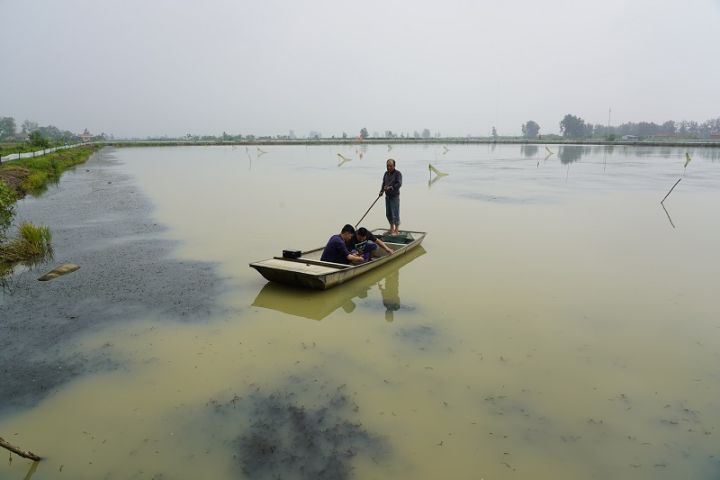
{"type": "Point", "coordinates": [63, 269]}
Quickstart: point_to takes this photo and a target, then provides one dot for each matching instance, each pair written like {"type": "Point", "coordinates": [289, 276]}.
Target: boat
{"type": "Point", "coordinates": [308, 271]}
{"type": "Point", "coordinates": [296, 301]}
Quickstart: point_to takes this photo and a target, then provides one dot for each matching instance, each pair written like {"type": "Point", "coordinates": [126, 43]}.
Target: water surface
{"type": "Point", "coordinates": [558, 323]}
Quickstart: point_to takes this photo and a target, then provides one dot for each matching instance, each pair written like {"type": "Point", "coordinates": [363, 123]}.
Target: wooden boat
{"type": "Point", "coordinates": [296, 301]}
{"type": "Point", "coordinates": [310, 272]}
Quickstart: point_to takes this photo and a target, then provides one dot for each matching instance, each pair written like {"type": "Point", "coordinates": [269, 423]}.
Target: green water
{"type": "Point", "coordinates": [558, 323]}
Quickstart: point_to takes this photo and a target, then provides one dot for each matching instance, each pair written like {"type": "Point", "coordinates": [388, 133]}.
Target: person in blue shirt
{"type": "Point", "coordinates": [336, 251]}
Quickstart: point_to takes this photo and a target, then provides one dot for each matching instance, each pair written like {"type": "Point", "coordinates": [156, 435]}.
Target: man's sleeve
{"type": "Point", "coordinates": [343, 249]}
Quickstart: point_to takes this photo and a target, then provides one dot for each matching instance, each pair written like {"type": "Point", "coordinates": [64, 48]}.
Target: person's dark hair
{"type": "Point", "coordinates": [391, 160]}
{"type": "Point", "coordinates": [362, 232]}
{"type": "Point", "coordinates": [348, 228]}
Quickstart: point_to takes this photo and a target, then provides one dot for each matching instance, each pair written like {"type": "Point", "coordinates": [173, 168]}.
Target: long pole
{"type": "Point", "coordinates": [368, 211]}
{"type": "Point", "coordinates": [14, 449]}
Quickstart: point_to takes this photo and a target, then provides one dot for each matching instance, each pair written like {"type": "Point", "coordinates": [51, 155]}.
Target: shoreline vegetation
{"type": "Point", "coordinates": [411, 141]}
{"type": "Point", "coordinates": [31, 176]}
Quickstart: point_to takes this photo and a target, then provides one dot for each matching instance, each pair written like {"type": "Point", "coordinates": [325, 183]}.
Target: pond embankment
{"type": "Point", "coordinates": [266, 141]}
{"type": "Point", "coordinates": [25, 176]}
{"type": "Point", "coordinates": [31, 175]}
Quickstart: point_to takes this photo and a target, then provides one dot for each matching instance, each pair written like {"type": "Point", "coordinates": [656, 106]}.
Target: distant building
{"type": "Point", "coordinates": [85, 136]}
{"type": "Point", "coordinates": [663, 136]}
{"type": "Point", "coordinates": [629, 137]}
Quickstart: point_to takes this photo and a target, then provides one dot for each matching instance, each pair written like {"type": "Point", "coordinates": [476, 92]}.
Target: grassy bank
{"type": "Point", "coordinates": [33, 244]}
{"type": "Point", "coordinates": [30, 176]}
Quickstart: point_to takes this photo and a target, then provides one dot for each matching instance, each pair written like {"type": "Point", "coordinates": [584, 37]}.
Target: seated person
{"type": "Point", "coordinates": [336, 251]}
{"type": "Point", "coordinates": [365, 249]}
{"type": "Point", "coordinates": [364, 237]}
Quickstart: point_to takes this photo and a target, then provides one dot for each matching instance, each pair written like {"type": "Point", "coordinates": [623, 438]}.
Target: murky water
{"type": "Point", "coordinates": [558, 323]}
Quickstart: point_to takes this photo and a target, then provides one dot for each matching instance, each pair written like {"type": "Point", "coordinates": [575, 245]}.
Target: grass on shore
{"type": "Point", "coordinates": [30, 176]}
{"type": "Point", "coordinates": [37, 172]}
{"type": "Point", "coordinates": [32, 245]}
{"type": "Point", "coordinates": [7, 200]}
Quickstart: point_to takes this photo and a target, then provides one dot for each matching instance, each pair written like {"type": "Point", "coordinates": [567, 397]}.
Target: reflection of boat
{"type": "Point", "coordinates": [319, 305]}
{"type": "Point", "coordinates": [310, 272]}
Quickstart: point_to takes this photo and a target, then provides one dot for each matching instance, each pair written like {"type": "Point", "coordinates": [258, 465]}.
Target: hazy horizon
{"type": "Point", "coordinates": [137, 69]}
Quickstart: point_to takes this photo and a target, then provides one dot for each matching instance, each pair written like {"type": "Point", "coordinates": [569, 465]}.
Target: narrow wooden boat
{"type": "Point", "coordinates": [310, 272]}
{"type": "Point", "coordinates": [297, 302]}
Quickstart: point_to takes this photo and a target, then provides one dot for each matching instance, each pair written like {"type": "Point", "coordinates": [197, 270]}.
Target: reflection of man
{"type": "Point", "coordinates": [391, 294]}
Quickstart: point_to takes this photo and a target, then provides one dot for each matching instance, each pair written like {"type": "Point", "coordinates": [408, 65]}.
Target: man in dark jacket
{"type": "Point", "coordinates": [336, 250]}
{"type": "Point", "coordinates": [391, 183]}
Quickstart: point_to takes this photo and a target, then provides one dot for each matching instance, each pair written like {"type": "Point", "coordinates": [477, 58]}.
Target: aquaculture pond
{"type": "Point", "coordinates": [558, 321]}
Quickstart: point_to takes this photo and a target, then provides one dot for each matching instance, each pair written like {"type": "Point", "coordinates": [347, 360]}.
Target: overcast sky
{"type": "Point", "coordinates": [169, 67]}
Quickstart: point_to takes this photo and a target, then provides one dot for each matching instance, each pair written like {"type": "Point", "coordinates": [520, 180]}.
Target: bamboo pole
{"type": "Point", "coordinates": [668, 193]}
{"type": "Point", "coordinates": [18, 451]}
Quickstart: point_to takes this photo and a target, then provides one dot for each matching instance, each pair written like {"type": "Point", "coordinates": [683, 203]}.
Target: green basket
{"type": "Point", "coordinates": [402, 237]}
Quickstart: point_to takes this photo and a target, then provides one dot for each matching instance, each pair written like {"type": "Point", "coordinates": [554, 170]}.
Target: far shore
{"type": "Point", "coordinates": [412, 141]}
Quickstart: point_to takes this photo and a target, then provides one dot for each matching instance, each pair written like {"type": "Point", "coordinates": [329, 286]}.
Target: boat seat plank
{"type": "Point", "coordinates": [301, 267]}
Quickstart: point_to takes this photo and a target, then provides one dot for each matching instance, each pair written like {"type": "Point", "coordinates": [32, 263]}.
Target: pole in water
{"type": "Point", "coordinates": [18, 451]}
{"type": "Point", "coordinates": [668, 193]}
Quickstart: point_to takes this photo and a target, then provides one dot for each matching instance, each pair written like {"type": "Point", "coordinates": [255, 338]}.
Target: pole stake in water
{"type": "Point", "coordinates": [668, 193]}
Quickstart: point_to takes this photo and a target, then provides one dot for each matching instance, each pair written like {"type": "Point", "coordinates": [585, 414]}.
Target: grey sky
{"type": "Point", "coordinates": [138, 68]}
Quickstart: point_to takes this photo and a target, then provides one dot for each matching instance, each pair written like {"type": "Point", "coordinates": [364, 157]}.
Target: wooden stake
{"type": "Point", "coordinates": [18, 451]}
{"type": "Point", "coordinates": [668, 193]}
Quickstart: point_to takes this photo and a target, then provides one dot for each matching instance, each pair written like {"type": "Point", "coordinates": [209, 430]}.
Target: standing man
{"type": "Point", "coordinates": [391, 183]}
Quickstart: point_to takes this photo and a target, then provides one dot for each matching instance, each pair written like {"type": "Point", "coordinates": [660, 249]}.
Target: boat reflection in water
{"type": "Point", "coordinates": [317, 305]}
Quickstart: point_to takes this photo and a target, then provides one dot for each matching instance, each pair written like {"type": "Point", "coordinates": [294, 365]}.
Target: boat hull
{"type": "Point", "coordinates": [308, 271]}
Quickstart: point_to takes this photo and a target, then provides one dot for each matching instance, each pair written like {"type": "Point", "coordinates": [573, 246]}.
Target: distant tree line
{"type": "Point", "coordinates": [425, 134]}
{"type": "Point", "coordinates": [33, 133]}
{"type": "Point", "coordinates": [574, 127]}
